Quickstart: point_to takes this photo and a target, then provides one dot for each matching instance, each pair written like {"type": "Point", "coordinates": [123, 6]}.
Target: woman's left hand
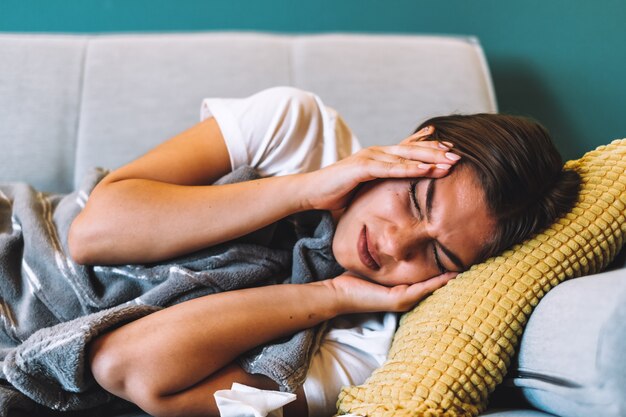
{"type": "Point", "coordinates": [332, 187]}
{"type": "Point", "coordinates": [357, 295]}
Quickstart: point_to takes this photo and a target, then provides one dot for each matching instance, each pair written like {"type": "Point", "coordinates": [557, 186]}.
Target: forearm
{"type": "Point", "coordinates": [139, 221]}
{"type": "Point", "coordinates": [169, 363]}
{"type": "Point", "coordinates": [173, 349]}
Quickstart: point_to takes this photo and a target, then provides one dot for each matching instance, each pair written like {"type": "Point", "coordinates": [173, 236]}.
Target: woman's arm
{"type": "Point", "coordinates": [172, 350]}
{"type": "Point", "coordinates": [162, 205]}
{"type": "Point", "coordinates": [158, 361]}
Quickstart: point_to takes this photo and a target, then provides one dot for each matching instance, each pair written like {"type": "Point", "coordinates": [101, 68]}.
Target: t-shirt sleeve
{"type": "Point", "coordinates": [280, 131]}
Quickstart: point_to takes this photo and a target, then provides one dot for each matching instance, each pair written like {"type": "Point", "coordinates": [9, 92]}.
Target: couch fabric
{"type": "Point", "coordinates": [71, 102]}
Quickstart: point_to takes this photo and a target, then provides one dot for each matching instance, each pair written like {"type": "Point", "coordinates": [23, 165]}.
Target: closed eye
{"type": "Point", "coordinates": [413, 197]}
{"type": "Point", "coordinates": [440, 266]}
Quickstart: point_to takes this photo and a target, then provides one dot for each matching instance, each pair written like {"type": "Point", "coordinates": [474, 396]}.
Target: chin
{"type": "Point", "coordinates": [349, 266]}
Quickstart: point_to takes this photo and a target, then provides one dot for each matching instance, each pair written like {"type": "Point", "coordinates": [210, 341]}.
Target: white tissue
{"type": "Point", "coordinates": [244, 401]}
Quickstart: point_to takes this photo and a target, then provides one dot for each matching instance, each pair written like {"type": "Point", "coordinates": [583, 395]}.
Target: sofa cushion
{"type": "Point", "coordinates": [571, 361]}
{"type": "Point", "coordinates": [139, 90]}
{"type": "Point", "coordinates": [451, 351]}
{"type": "Point", "coordinates": [385, 86]}
{"type": "Point", "coordinates": [40, 80]}
{"type": "Point", "coordinates": [515, 413]}
{"type": "Point", "coordinates": [103, 100]}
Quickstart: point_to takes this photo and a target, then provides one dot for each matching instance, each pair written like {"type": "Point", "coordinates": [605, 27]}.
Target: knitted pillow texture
{"type": "Point", "coordinates": [451, 351]}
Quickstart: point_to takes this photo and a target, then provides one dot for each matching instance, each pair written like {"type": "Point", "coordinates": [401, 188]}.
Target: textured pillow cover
{"type": "Point", "coordinates": [451, 351]}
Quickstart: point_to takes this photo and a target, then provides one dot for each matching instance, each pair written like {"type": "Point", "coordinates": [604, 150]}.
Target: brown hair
{"type": "Point", "coordinates": [519, 169]}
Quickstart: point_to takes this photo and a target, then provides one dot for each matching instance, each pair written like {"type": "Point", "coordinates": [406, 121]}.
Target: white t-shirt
{"type": "Point", "coordinates": [281, 131]}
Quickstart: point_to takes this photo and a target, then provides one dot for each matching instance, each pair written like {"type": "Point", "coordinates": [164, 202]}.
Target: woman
{"type": "Point", "coordinates": [408, 219]}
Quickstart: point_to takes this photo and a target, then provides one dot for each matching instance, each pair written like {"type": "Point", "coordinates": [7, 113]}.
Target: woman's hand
{"type": "Point", "coordinates": [357, 295]}
{"type": "Point", "coordinates": [331, 188]}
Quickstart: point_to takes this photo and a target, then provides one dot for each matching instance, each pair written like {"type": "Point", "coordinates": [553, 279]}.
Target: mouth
{"type": "Point", "coordinates": [365, 255]}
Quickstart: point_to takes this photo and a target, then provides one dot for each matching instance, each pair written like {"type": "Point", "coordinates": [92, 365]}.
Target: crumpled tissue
{"type": "Point", "coordinates": [244, 401]}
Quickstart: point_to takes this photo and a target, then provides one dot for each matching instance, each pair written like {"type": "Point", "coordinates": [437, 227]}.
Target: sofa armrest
{"type": "Point", "coordinates": [571, 353]}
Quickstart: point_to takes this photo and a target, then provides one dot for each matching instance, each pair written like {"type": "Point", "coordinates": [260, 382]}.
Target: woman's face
{"type": "Point", "coordinates": [395, 233]}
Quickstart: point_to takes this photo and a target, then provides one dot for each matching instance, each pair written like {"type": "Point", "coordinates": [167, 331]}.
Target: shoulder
{"type": "Point", "coordinates": [306, 134]}
{"type": "Point", "coordinates": [265, 109]}
{"type": "Point", "coordinates": [301, 103]}
{"type": "Point", "coordinates": [289, 94]}
{"type": "Point", "coordinates": [281, 130]}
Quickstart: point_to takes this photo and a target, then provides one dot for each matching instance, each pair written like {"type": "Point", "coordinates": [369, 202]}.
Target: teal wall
{"type": "Point", "coordinates": [560, 61]}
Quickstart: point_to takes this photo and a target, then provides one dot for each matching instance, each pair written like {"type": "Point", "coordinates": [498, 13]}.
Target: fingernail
{"type": "Point", "coordinates": [448, 144]}
{"type": "Point", "coordinates": [452, 156]}
{"type": "Point", "coordinates": [425, 166]}
{"type": "Point", "coordinates": [443, 166]}
{"type": "Point", "coordinates": [426, 129]}
{"type": "Point", "coordinates": [442, 146]}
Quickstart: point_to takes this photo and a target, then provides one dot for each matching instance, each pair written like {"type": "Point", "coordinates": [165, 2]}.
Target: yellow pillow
{"type": "Point", "coordinates": [451, 351]}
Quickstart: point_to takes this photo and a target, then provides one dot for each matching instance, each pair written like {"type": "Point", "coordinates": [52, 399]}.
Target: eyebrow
{"type": "Point", "coordinates": [430, 192]}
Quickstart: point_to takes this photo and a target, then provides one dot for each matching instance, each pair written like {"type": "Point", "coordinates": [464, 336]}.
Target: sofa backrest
{"type": "Point", "coordinates": [68, 103]}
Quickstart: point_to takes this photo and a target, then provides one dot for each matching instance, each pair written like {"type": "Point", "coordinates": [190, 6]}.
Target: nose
{"type": "Point", "coordinates": [401, 243]}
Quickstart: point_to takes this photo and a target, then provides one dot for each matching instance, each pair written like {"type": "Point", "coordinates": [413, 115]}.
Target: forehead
{"type": "Point", "coordinates": [461, 218]}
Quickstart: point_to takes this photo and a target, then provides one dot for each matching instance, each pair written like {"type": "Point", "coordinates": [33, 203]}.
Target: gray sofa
{"type": "Point", "coordinates": [68, 103]}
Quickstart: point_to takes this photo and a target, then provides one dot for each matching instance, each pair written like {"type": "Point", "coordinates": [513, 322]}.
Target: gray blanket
{"type": "Point", "coordinates": [51, 307]}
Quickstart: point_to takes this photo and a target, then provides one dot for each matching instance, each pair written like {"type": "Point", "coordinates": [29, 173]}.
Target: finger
{"type": "Point", "coordinates": [379, 155]}
{"type": "Point", "coordinates": [417, 292]}
{"type": "Point", "coordinates": [421, 134]}
{"type": "Point", "coordinates": [399, 161]}
{"type": "Point", "coordinates": [438, 170]}
{"type": "Point", "coordinates": [426, 130]}
{"type": "Point", "coordinates": [373, 169]}
{"type": "Point", "coordinates": [424, 288]}
{"type": "Point", "coordinates": [427, 144]}
{"type": "Point", "coordinates": [428, 154]}
{"type": "Point", "coordinates": [409, 146]}
{"type": "Point", "coordinates": [399, 168]}
{"type": "Point", "coordinates": [406, 169]}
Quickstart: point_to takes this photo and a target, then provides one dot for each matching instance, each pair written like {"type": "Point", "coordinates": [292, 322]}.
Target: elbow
{"type": "Point", "coordinates": [114, 370]}
{"type": "Point", "coordinates": [78, 241]}
{"type": "Point", "coordinates": [91, 230]}
{"type": "Point", "coordinates": [107, 366]}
